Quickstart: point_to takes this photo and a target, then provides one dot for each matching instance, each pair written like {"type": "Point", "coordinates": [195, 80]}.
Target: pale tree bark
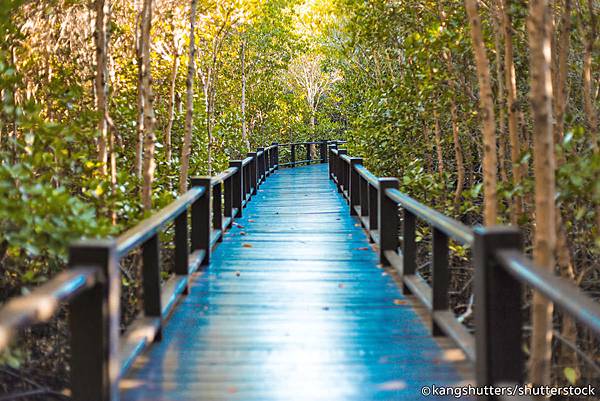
{"type": "Point", "coordinates": [458, 155]}
{"type": "Point", "coordinates": [544, 169]}
{"type": "Point", "coordinates": [438, 143]}
{"type": "Point", "coordinates": [486, 102]}
{"type": "Point", "coordinates": [100, 39]}
{"type": "Point", "coordinates": [513, 112]}
{"type": "Point", "coordinates": [568, 357]}
{"type": "Point", "coordinates": [189, 103]}
{"type": "Point", "coordinates": [148, 164]}
{"type": "Point", "coordinates": [139, 144]}
{"type": "Point", "coordinates": [245, 138]}
{"type": "Point", "coordinates": [590, 110]}
{"type": "Point", "coordinates": [171, 106]}
{"type": "Point", "coordinates": [498, 38]}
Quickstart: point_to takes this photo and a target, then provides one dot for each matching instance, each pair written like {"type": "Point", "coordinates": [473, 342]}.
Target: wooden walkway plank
{"type": "Point", "coordinates": [292, 307]}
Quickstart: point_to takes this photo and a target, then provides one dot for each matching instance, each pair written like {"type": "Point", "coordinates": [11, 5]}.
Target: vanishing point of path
{"type": "Point", "coordinates": [292, 307]}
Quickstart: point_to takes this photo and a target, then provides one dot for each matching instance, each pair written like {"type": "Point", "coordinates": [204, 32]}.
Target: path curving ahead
{"type": "Point", "coordinates": [292, 307]}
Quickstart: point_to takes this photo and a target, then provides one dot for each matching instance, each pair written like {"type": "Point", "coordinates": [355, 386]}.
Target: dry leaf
{"type": "Point", "coordinates": [363, 248]}
{"type": "Point", "coordinates": [393, 385]}
{"type": "Point", "coordinates": [400, 302]}
{"type": "Point", "coordinates": [247, 245]}
{"type": "Point", "coordinates": [250, 221]}
{"type": "Point", "coordinates": [242, 233]}
{"type": "Point", "coordinates": [237, 273]}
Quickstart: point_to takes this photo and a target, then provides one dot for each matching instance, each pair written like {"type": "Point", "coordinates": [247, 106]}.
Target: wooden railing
{"type": "Point", "coordinates": [91, 286]}
{"type": "Point", "coordinates": [290, 159]}
{"type": "Point", "coordinates": [501, 271]}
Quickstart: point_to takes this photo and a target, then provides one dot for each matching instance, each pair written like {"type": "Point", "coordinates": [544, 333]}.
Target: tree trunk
{"type": "Point", "coordinates": [568, 357]}
{"type": "Point", "coordinates": [149, 164]}
{"type": "Point", "coordinates": [171, 107]}
{"type": "Point", "coordinates": [544, 170]}
{"type": "Point", "coordinates": [139, 144]}
{"type": "Point", "coordinates": [100, 38]}
{"type": "Point", "coordinates": [513, 112]}
{"type": "Point", "coordinates": [189, 103]}
{"type": "Point", "coordinates": [438, 143]}
{"type": "Point", "coordinates": [588, 100]}
{"type": "Point", "coordinates": [245, 138]}
{"type": "Point", "coordinates": [458, 155]}
{"type": "Point", "coordinates": [490, 159]}
{"type": "Point", "coordinates": [498, 37]}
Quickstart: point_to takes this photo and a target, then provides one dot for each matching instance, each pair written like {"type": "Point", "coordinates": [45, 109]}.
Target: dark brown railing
{"type": "Point", "coordinates": [501, 270]}
{"type": "Point", "coordinates": [289, 158]}
{"type": "Point", "coordinates": [91, 286]}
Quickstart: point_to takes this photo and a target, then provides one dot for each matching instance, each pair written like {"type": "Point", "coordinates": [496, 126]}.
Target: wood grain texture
{"type": "Point", "coordinates": [292, 307]}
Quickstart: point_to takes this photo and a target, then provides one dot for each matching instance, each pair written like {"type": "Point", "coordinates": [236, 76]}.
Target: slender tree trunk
{"type": "Point", "coordinates": [513, 112]}
{"type": "Point", "coordinates": [568, 357]}
{"type": "Point", "coordinates": [490, 159]}
{"type": "Point", "coordinates": [428, 147]}
{"type": "Point", "coordinates": [189, 103]}
{"type": "Point", "coordinates": [149, 164]}
{"type": "Point", "coordinates": [438, 143]}
{"type": "Point", "coordinates": [245, 138]}
{"type": "Point", "coordinates": [544, 169]}
{"type": "Point", "coordinates": [591, 112]}
{"type": "Point", "coordinates": [100, 38]}
{"type": "Point", "coordinates": [171, 107]}
{"type": "Point", "coordinates": [458, 155]}
{"type": "Point", "coordinates": [139, 144]}
{"type": "Point", "coordinates": [498, 38]}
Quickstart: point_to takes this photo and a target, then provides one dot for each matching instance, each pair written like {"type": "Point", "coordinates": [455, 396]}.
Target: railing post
{"type": "Point", "coordinates": [339, 169]}
{"type": "Point", "coordinates": [228, 201]}
{"type": "Point", "coordinates": [236, 184]}
{"type": "Point", "coordinates": [323, 151]}
{"type": "Point", "coordinates": [373, 206]}
{"type": "Point", "coordinates": [440, 277]}
{"type": "Point", "coordinates": [182, 250]}
{"type": "Point", "coordinates": [276, 155]}
{"type": "Point", "coordinates": [201, 220]}
{"type": "Point", "coordinates": [253, 172]}
{"type": "Point", "coordinates": [409, 246]}
{"type": "Point", "coordinates": [308, 155]}
{"type": "Point", "coordinates": [498, 316]}
{"type": "Point", "coordinates": [388, 220]}
{"type": "Point", "coordinates": [246, 182]}
{"type": "Point", "coordinates": [331, 161]}
{"type": "Point", "coordinates": [261, 164]}
{"type": "Point", "coordinates": [94, 325]}
{"type": "Point", "coordinates": [354, 185]}
{"type": "Point", "coordinates": [364, 200]}
{"type": "Point", "coordinates": [217, 209]}
{"type": "Point", "coordinates": [293, 155]}
{"type": "Point", "coordinates": [267, 161]}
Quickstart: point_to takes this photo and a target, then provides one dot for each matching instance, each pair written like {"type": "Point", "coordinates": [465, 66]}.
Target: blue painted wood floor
{"type": "Point", "coordinates": [292, 307]}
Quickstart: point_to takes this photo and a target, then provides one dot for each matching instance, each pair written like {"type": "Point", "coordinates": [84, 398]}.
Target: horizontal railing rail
{"type": "Point", "coordinates": [501, 268]}
{"type": "Point", "coordinates": [310, 151]}
{"type": "Point", "coordinates": [100, 355]}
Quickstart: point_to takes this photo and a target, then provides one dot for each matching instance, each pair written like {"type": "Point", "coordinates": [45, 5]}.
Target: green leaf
{"type": "Point", "coordinates": [570, 375]}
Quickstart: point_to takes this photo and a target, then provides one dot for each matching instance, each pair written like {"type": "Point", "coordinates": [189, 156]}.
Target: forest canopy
{"type": "Point", "coordinates": [486, 110]}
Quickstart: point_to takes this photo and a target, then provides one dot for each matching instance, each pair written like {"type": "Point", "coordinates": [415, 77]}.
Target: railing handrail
{"type": "Point", "coordinates": [139, 233]}
{"type": "Point", "coordinates": [452, 227]}
{"type": "Point", "coordinates": [43, 302]}
{"type": "Point", "coordinates": [501, 268]}
{"type": "Point", "coordinates": [561, 292]}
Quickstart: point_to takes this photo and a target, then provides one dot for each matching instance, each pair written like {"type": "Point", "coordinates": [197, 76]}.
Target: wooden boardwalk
{"type": "Point", "coordinates": [292, 307]}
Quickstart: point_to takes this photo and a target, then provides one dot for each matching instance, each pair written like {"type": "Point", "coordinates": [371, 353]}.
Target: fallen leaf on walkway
{"type": "Point", "coordinates": [247, 245]}
{"type": "Point", "coordinates": [325, 308]}
{"type": "Point", "coordinates": [357, 225]}
{"type": "Point", "coordinates": [242, 233]}
{"type": "Point", "coordinates": [340, 285]}
{"type": "Point", "coordinates": [363, 248]}
{"type": "Point", "coordinates": [250, 221]}
{"type": "Point", "coordinates": [237, 225]}
{"type": "Point", "coordinates": [400, 302]}
{"type": "Point", "coordinates": [393, 385]}
{"type": "Point", "coordinates": [237, 273]}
